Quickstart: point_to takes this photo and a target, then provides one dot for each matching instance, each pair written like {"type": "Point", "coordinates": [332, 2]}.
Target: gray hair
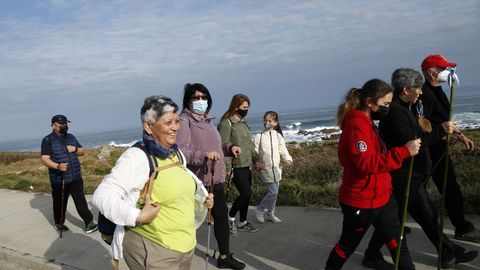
{"type": "Point", "coordinates": [406, 77]}
{"type": "Point", "coordinates": [156, 106]}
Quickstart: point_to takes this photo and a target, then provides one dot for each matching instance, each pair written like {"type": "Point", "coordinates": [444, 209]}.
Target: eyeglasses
{"type": "Point", "coordinates": [202, 97]}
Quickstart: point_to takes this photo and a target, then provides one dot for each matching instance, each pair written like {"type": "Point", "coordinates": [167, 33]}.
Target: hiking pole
{"type": "Point", "coordinates": [452, 78]}
{"type": "Point", "coordinates": [404, 212]}
{"type": "Point", "coordinates": [230, 179]}
{"type": "Point", "coordinates": [209, 216]}
{"type": "Point", "coordinates": [62, 221]}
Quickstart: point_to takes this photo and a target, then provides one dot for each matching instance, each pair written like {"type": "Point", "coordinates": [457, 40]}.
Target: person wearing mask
{"type": "Point", "coordinates": [403, 123]}
{"type": "Point", "coordinates": [269, 147]}
{"type": "Point", "coordinates": [156, 216]}
{"type": "Point", "coordinates": [59, 153]}
{"type": "Point", "coordinates": [365, 192]}
{"type": "Point", "coordinates": [234, 128]}
{"type": "Point", "coordinates": [436, 106]}
{"type": "Point", "coordinates": [200, 141]}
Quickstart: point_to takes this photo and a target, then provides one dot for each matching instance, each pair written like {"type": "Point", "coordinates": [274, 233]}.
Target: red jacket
{"type": "Point", "coordinates": [366, 166]}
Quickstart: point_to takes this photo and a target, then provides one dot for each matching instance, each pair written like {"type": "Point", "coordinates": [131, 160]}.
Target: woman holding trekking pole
{"type": "Point", "coordinates": [160, 211]}
{"type": "Point", "coordinates": [200, 141]}
{"type": "Point", "coordinates": [233, 128]}
{"type": "Point", "coordinates": [365, 192]}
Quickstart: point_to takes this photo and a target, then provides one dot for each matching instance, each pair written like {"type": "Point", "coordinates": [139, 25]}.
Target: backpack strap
{"type": "Point", "coordinates": [147, 189]}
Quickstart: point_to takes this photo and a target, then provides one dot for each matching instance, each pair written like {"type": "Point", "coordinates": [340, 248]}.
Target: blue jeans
{"type": "Point", "coordinates": [270, 199]}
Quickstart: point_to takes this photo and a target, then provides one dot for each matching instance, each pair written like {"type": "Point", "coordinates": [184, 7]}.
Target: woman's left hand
{"type": "Point", "coordinates": [209, 201]}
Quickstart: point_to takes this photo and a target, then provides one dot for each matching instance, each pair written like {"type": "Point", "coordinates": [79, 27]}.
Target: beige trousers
{"type": "Point", "coordinates": [142, 253]}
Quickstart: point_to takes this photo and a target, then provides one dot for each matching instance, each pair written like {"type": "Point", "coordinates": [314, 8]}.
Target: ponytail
{"type": "Point", "coordinates": [352, 101]}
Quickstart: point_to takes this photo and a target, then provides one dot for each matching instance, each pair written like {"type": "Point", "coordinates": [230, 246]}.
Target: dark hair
{"type": "Point", "coordinates": [155, 106]}
{"type": "Point", "coordinates": [356, 98]}
{"type": "Point", "coordinates": [237, 100]}
{"type": "Point", "coordinates": [406, 77]}
{"type": "Point", "coordinates": [189, 91]}
{"type": "Point", "coordinates": [275, 117]}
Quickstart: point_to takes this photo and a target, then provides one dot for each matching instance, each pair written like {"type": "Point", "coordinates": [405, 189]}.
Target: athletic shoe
{"type": "Point", "coordinates": [61, 227]}
{"type": "Point", "coordinates": [273, 218]}
{"type": "Point", "coordinates": [377, 263]}
{"type": "Point", "coordinates": [260, 215]}
{"type": "Point", "coordinates": [248, 227]}
{"type": "Point", "coordinates": [231, 227]}
{"type": "Point", "coordinates": [471, 236]}
{"type": "Point", "coordinates": [229, 262]}
{"type": "Point", "coordinates": [91, 227]}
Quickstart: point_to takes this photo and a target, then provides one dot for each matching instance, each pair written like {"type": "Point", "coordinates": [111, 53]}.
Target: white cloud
{"type": "Point", "coordinates": [126, 48]}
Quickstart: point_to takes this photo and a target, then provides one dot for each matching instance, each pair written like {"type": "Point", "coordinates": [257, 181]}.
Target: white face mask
{"type": "Point", "coordinates": [443, 76]}
{"type": "Point", "coordinates": [199, 106]}
{"type": "Point", "coordinates": [269, 125]}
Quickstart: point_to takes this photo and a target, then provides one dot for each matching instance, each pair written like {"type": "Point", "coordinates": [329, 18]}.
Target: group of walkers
{"type": "Point", "coordinates": [161, 189]}
{"type": "Point", "coordinates": [413, 121]}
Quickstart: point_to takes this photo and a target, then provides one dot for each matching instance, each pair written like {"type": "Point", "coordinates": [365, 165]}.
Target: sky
{"type": "Point", "coordinates": [96, 61]}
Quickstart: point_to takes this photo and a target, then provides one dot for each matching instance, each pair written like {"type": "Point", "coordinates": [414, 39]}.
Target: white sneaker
{"type": "Point", "coordinates": [260, 215]}
{"type": "Point", "coordinates": [273, 218]}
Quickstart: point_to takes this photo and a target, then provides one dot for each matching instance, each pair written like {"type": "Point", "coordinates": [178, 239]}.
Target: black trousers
{"type": "Point", "coordinates": [220, 219]}
{"type": "Point", "coordinates": [242, 178]}
{"type": "Point", "coordinates": [356, 222]}
{"type": "Point", "coordinates": [76, 190]}
{"type": "Point", "coordinates": [453, 195]}
{"type": "Point", "coordinates": [422, 210]}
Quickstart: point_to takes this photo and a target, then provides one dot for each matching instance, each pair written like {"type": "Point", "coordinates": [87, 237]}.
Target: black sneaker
{"type": "Point", "coordinates": [91, 227]}
{"type": "Point", "coordinates": [450, 259]}
{"type": "Point", "coordinates": [61, 227]}
{"type": "Point", "coordinates": [377, 263]}
{"type": "Point", "coordinates": [229, 262]}
{"type": "Point", "coordinates": [248, 227]}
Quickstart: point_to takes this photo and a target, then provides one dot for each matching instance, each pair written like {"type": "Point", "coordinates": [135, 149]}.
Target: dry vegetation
{"type": "Point", "coordinates": [313, 180]}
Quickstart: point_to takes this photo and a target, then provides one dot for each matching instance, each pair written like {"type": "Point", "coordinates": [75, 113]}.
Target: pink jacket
{"type": "Point", "coordinates": [196, 138]}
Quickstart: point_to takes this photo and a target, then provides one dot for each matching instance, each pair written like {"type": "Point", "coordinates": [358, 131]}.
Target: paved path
{"type": "Point", "coordinates": [302, 241]}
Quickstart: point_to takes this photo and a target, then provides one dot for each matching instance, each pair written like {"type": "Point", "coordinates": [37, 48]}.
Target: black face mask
{"type": "Point", "coordinates": [242, 113]}
{"type": "Point", "coordinates": [381, 113]}
{"type": "Point", "coordinates": [63, 129]}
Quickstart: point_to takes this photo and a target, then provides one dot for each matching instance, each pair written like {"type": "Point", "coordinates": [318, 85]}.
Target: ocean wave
{"type": "Point", "coordinates": [113, 143]}
{"type": "Point", "coordinates": [467, 120]}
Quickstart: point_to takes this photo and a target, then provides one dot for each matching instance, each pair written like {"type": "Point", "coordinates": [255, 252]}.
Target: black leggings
{"type": "Point", "coordinates": [76, 190]}
{"type": "Point", "coordinates": [220, 224]}
{"type": "Point", "coordinates": [242, 177]}
{"type": "Point", "coordinates": [356, 222]}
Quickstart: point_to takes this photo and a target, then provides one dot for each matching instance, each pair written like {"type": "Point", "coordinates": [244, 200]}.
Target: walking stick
{"type": "Point", "coordinates": [61, 206]}
{"type": "Point", "coordinates": [209, 216]}
{"type": "Point", "coordinates": [452, 78]}
{"type": "Point", "coordinates": [230, 180]}
{"type": "Point", "coordinates": [404, 213]}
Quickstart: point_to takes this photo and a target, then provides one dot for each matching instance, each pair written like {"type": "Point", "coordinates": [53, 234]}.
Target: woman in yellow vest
{"type": "Point", "coordinates": [156, 219]}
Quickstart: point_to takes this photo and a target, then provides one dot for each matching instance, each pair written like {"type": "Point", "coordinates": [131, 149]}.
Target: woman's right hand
{"type": "Point", "coordinates": [414, 146]}
{"type": "Point", "coordinates": [449, 127]}
{"type": "Point", "coordinates": [148, 213]}
{"type": "Point", "coordinates": [213, 155]}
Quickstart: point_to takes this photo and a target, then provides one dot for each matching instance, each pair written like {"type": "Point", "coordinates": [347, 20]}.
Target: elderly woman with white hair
{"type": "Point", "coordinates": [156, 219]}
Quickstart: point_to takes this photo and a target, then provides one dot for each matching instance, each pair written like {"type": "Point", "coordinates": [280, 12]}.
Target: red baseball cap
{"type": "Point", "coordinates": [436, 60]}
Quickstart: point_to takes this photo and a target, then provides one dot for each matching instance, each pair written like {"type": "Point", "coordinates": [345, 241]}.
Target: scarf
{"type": "Point", "coordinates": [156, 149]}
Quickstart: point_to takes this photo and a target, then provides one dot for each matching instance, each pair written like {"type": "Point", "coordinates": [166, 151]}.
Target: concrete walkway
{"type": "Point", "coordinates": [302, 241]}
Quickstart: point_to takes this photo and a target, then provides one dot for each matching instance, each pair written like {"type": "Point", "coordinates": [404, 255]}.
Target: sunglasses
{"type": "Point", "coordinates": [202, 97]}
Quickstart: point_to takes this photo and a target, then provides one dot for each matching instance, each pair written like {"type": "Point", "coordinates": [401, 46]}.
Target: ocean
{"type": "Point", "coordinates": [302, 125]}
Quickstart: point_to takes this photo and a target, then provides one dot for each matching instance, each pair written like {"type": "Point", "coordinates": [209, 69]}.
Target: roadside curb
{"type": "Point", "coordinates": [28, 261]}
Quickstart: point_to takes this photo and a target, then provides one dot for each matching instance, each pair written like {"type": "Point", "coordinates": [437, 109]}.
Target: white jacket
{"type": "Point", "coordinates": [269, 146]}
{"type": "Point", "coordinates": [117, 195]}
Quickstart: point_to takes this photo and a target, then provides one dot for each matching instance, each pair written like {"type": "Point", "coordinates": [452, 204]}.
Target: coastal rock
{"type": "Point", "coordinates": [105, 152]}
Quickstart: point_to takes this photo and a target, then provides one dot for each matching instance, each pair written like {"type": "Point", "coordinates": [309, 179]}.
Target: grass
{"type": "Point", "coordinates": [312, 181]}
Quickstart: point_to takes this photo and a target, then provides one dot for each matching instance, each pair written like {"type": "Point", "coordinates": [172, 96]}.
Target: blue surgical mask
{"type": "Point", "coordinates": [199, 106]}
